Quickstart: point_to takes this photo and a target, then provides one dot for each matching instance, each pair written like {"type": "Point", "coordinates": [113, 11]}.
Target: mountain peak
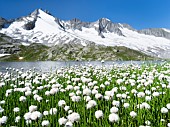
{"type": "Point", "coordinates": [105, 20]}
{"type": "Point", "coordinates": [36, 12]}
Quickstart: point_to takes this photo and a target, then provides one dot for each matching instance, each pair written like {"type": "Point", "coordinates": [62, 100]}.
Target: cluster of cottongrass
{"type": "Point", "coordinates": [118, 95]}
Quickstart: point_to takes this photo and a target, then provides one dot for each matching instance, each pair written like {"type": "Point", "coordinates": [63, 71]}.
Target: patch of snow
{"type": "Point", "coordinates": [167, 30]}
{"type": "Point", "coordinates": [2, 55]}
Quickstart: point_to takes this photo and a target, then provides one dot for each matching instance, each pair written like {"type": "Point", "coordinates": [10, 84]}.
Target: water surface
{"type": "Point", "coordinates": [46, 66]}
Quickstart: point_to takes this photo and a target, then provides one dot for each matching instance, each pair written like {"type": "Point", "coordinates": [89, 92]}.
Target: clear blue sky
{"type": "Point", "coordinates": [138, 13]}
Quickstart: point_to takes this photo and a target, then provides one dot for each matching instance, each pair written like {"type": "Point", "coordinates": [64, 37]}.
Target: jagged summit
{"type": "Point", "coordinates": [42, 27]}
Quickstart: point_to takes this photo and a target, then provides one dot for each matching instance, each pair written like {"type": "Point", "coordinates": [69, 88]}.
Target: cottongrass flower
{"type": "Point", "coordinates": [147, 122]}
{"type": "Point", "coordinates": [144, 105]}
{"type": "Point", "coordinates": [91, 104]}
{"type": "Point", "coordinates": [62, 121]}
{"type": "Point", "coordinates": [16, 109]}
{"type": "Point", "coordinates": [70, 111]}
{"type": "Point", "coordinates": [28, 93]}
{"type": "Point", "coordinates": [168, 125]}
{"type": "Point", "coordinates": [45, 123]}
{"type": "Point", "coordinates": [69, 124]}
{"type": "Point", "coordinates": [133, 114]}
{"type": "Point", "coordinates": [140, 94]}
{"type": "Point", "coordinates": [66, 108]}
{"type": "Point", "coordinates": [113, 117]}
{"type": "Point", "coordinates": [98, 96]}
{"type": "Point", "coordinates": [1, 109]}
{"type": "Point", "coordinates": [126, 105]}
{"type": "Point", "coordinates": [47, 93]}
{"type": "Point", "coordinates": [32, 108]}
{"type": "Point", "coordinates": [17, 119]}
{"type": "Point", "coordinates": [74, 117]}
{"type": "Point", "coordinates": [35, 115]}
{"type": "Point", "coordinates": [75, 98]}
{"type": "Point", "coordinates": [27, 116]}
{"type": "Point", "coordinates": [155, 94]}
{"type": "Point", "coordinates": [115, 103]}
{"type": "Point", "coordinates": [87, 91]}
{"type": "Point", "coordinates": [162, 120]}
{"type": "Point", "coordinates": [148, 98]}
{"type": "Point", "coordinates": [94, 91]}
{"type": "Point", "coordinates": [99, 114]}
{"type": "Point", "coordinates": [22, 99]}
{"type": "Point", "coordinates": [53, 111]}
{"type": "Point", "coordinates": [61, 103]}
{"type": "Point", "coordinates": [114, 110]}
{"type": "Point", "coordinates": [107, 98]}
{"type": "Point", "coordinates": [164, 110]}
{"type": "Point", "coordinates": [2, 102]}
{"type": "Point", "coordinates": [3, 120]}
{"type": "Point", "coordinates": [45, 113]}
{"type": "Point", "coordinates": [168, 106]}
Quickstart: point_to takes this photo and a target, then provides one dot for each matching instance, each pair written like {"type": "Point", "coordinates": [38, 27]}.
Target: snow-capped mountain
{"type": "Point", "coordinates": [41, 27]}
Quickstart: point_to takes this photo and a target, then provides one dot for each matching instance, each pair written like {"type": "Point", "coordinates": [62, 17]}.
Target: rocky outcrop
{"type": "Point", "coordinates": [158, 32]}
{"type": "Point", "coordinates": [2, 22]}
{"type": "Point", "coordinates": [8, 45]}
{"type": "Point", "coordinates": [30, 25]}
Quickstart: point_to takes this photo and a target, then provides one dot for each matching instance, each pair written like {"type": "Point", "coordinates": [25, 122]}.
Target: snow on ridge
{"type": "Point", "coordinates": [167, 30]}
{"type": "Point", "coordinates": [48, 31]}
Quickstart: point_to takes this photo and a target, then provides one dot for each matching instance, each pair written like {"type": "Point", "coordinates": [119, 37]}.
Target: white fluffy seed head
{"type": "Point", "coordinates": [168, 106]}
{"type": "Point", "coordinates": [115, 103]}
{"type": "Point", "coordinates": [53, 111]}
{"type": "Point", "coordinates": [74, 117]}
{"type": "Point", "coordinates": [168, 125]}
{"type": "Point", "coordinates": [91, 104]}
{"type": "Point", "coordinates": [99, 114]}
{"type": "Point", "coordinates": [61, 103]}
{"type": "Point", "coordinates": [62, 121]}
{"type": "Point", "coordinates": [69, 124]}
{"type": "Point", "coordinates": [126, 105]}
{"type": "Point", "coordinates": [133, 114]}
{"type": "Point", "coordinates": [147, 122]}
{"type": "Point", "coordinates": [113, 118]}
{"type": "Point", "coordinates": [164, 110]}
{"type": "Point", "coordinates": [66, 108]}
{"type": "Point", "coordinates": [22, 99]}
{"type": "Point", "coordinates": [114, 110]}
{"type": "Point", "coordinates": [17, 119]}
{"type": "Point", "coordinates": [35, 115]}
{"type": "Point", "coordinates": [45, 113]}
{"type": "Point", "coordinates": [32, 108]}
{"type": "Point", "coordinates": [3, 120]}
{"type": "Point", "coordinates": [27, 116]}
{"type": "Point", "coordinates": [16, 109]}
{"type": "Point", "coordinates": [45, 123]}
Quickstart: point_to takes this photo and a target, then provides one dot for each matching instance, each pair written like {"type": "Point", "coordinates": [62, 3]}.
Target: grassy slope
{"type": "Point", "coordinates": [30, 53]}
{"type": "Point", "coordinates": [39, 52]}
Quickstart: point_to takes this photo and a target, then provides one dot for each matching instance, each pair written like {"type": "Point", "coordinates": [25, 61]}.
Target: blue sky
{"type": "Point", "coordinates": [138, 13]}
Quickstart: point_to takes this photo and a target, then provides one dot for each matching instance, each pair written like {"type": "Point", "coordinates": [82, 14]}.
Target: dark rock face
{"type": "Point", "coordinates": [76, 24]}
{"type": "Point", "coordinates": [2, 22]}
{"type": "Point", "coordinates": [106, 25]}
{"type": "Point", "coordinates": [9, 49]}
{"type": "Point", "coordinates": [8, 45]}
{"type": "Point", "coordinates": [30, 25]}
{"type": "Point", "coordinates": [158, 32]}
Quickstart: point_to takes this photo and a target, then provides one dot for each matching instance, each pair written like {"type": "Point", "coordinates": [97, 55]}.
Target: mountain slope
{"type": "Point", "coordinates": [76, 52]}
{"type": "Point", "coordinates": [42, 27]}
